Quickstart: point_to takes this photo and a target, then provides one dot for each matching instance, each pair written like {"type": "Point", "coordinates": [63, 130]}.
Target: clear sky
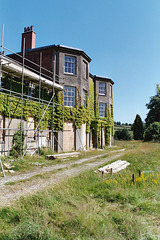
{"type": "Point", "coordinates": [121, 36]}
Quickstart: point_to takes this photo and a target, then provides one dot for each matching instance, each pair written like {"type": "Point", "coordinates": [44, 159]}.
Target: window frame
{"type": "Point", "coordinates": [85, 70]}
{"type": "Point", "coordinates": [104, 92]}
{"type": "Point", "coordinates": [84, 99]}
{"type": "Point", "coordinates": [69, 96]}
{"type": "Point", "coordinates": [104, 110]}
{"type": "Point", "coordinates": [72, 65]}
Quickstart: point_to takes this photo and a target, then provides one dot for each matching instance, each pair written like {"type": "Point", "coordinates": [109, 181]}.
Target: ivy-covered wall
{"type": "Point", "coordinates": [11, 106]}
{"type": "Point", "coordinates": [79, 114]}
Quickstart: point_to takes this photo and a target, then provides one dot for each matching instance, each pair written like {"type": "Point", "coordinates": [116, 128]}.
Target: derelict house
{"type": "Point", "coordinates": [49, 96]}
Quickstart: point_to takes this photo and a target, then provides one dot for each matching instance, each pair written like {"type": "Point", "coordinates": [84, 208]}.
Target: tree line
{"type": "Point", "coordinates": [148, 131]}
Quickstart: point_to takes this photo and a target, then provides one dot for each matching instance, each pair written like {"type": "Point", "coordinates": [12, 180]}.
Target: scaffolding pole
{"type": "Point", "coordinates": [0, 87]}
{"type": "Point", "coordinates": [54, 68]}
{"type": "Point", "coordinates": [2, 168]}
{"type": "Point", "coordinates": [26, 134]}
{"type": "Point", "coordinates": [42, 114]}
{"type": "Point", "coordinates": [2, 39]}
{"type": "Point", "coordinates": [35, 131]}
{"type": "Point", "coordinates": [1, 54]}
{"type": "Point", "coordinates": [9, 120]}
{"type": "Point", "coordinates": [40, 67]}
{"type": "Point", "coordinates": [22, 92]}
{"type": "Point", "coordinates": [25, 97]}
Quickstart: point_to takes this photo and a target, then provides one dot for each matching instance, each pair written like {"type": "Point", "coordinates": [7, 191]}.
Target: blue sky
{"type": "Point", "coordinates": [121, 36]}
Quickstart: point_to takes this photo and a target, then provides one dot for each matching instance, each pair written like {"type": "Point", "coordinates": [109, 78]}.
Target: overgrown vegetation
{"type": "Point", "coordinates": [87, 207]}
{"type": "Point", "coordinates": [17, 142]}
{"type": "Point", "coordinates": [122, 134]}
{"type": "Point", "coordinates": [152, 131]}
{"type": "Point", "coordinates": [153, 106]}
{"type": "Point", "coordinates": [11, 106]}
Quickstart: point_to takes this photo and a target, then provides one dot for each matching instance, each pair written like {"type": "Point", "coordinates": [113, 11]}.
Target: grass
{"type": "Point", "coordinates": [29, 163]}
{"type": "Point", "coordinates": [89, 208]}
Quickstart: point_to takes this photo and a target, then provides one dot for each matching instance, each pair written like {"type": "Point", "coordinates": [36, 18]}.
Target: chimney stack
{"type": "Point", "coordinates": [30, 38]}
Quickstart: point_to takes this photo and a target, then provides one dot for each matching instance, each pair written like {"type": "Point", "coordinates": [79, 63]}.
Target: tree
{"type": "Point", "coordinates": [154, 108]}
{"type": "Point", "coordinates": [122, 134]}
{"type": "Point", "coordinates": [152, 132]}
{"type": "Point", "coordinates": [138, 128]}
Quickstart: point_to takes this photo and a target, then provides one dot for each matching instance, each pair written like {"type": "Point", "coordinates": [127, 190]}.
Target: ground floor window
{"type": "Point", "coordinates": [102, 109]}
{"type": "Point", "coordinates": [69, 96]}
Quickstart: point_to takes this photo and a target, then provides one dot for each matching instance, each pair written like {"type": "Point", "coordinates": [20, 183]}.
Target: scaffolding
{"type": "Point", "coordinates": [30, 74]}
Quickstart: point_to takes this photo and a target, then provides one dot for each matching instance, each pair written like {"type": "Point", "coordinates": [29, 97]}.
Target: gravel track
{"type": "Point", "coordinates": [10, 193]}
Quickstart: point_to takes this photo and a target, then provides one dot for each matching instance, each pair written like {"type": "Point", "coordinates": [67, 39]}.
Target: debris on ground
{"type": "Point", "coordinates": [8, 165]}
{"type": "Point", "coordinates": [114, 167]}
{"type": "Point", "coordinates": [11, 171]}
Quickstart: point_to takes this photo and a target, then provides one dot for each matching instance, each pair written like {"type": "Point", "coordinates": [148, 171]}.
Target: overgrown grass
{"type": "Point", "coordinates": [88, 207]}
{"type": "Point", "coordinates": [28, 163]}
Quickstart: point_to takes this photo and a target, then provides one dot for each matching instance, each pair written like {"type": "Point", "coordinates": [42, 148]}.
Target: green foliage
{"type": "Point", "coordinates": [14, 105]}
{"type": "Point", "coordinates": [79, 114]}
{"type": "Point", "coordinates": [91, 97]}
{"type": "Point", "coordinates": [152, 132]}
{"type": "Point", "coordinates": [108, 131]}
{"type": "Point", "coordinates": [18, 142]}
{"type": "Point", "coordinates": [58, 112]}
{"type": "Point", "coordinates": [138, 128]}
{"type": "Point", "coordinates": [54, 117]}
{"type": "Point", "coordinates": [154, 108]}
{"type": "Point", "coordinates": [122, 134]}
{"type": "Point", "coordinates": [96, 106]}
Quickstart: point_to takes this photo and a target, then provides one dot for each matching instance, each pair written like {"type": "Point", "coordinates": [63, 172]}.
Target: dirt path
{"type": "Point", "coordinates": [29, 185]}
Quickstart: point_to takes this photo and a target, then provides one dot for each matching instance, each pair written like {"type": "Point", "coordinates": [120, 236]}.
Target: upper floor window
{"type": "Point", "coordinates": [85, 70]}
{"type": "Point", "coordinates": [69, 96]}
{"type": "Point", "coordinates": [102, 88]}
{"type": "Point", "coordinates": [102, 109]}
{"type": "Point", "coordinates": [70, 65]}
{"type": "Point", "coordinates": [84, 98]}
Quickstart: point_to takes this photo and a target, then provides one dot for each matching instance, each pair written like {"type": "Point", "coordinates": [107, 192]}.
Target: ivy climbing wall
{"type": "Point", "coordinates": [11, 107]}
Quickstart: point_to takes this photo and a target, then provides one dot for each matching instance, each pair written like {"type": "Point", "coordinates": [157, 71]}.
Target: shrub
{"type": "Point", "coordinates": [152, 132]}
{"type": "Point", "coordinates": [18, 141]}
{"type": "Point", "coordinates": [122, 134]}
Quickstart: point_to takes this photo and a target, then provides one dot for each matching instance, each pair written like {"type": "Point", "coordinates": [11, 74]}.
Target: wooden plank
{"type": "Point", "coordinates": [63, 155]}
{"type": "Point", "coordinates": [115, 166]}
